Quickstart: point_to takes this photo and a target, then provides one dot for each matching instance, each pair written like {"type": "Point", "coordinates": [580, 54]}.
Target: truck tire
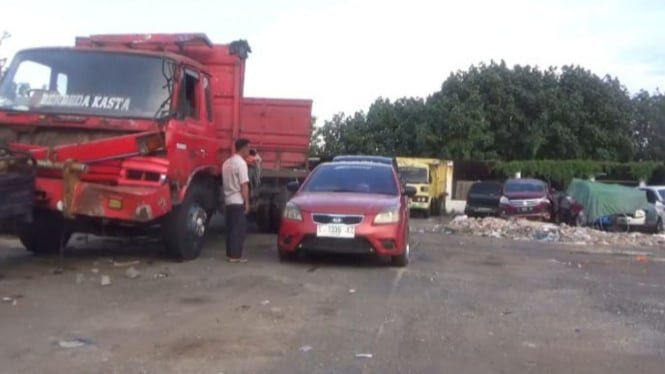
{"type": "Point", "coordinates": [263, 218]}
{"type": "Point", "coordinates": [185, 227]}
{"type": "Point", "coordinates": [277, 208]}
{"type": "Point", "coordinates": [44, 233]}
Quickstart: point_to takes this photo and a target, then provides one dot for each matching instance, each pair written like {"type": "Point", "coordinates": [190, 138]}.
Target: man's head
{"type": "Point", "coordinates": [242, 147]}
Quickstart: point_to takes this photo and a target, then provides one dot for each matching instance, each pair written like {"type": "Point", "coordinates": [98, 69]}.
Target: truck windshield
{"type": "Point", "coordinates": [87, 83]}
{"type": "Point", "coordinates": [413, 175]}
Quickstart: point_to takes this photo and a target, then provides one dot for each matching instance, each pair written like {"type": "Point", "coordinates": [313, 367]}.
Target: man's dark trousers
{"type": "Point", "coordinates": [236, 229]}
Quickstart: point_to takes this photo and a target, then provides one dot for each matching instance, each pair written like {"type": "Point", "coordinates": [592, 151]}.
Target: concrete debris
{"type": "Point", "coordinates": [265, 302]}
{"type": "Point", "coordinates": [520, 229]}
{"type": "Point", "coordinates": [125, 264]}
{"type": "Point", "coordinates": [132, 273]}
{"type": "Point", "coordinates": [352, 291]}
{"type": "Point", "coordinates": [364, 355]}
{"type": "Point", "coordinates": [73, 343]}
{"type": "Point", "coordinates": [105, 280]}
{"type": "Point", "coordinates": [305, 348]}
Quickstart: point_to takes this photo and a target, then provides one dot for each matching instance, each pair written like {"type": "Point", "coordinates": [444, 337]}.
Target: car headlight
{"type": "Point", "coordinates": [387, 216]}
{"type": "Point", "coordinates": [292, 212]}
{"type": "Point", "coordinates": [504, 200]}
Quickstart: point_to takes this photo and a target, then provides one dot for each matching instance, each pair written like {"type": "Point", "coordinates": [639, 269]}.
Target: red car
{"type": "Point", "coordinates": [526, 198]}
{"type": "Point", "coordinates": [348, 207]}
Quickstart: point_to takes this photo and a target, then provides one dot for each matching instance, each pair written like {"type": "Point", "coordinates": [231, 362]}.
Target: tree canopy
{"type": "Point", "coordinates": [494, 112]}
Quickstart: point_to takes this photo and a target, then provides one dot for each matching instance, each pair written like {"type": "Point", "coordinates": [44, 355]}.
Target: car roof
{"type": "Point", "coordinates": [525, 180]}
{"type": "Point", "coordinates": [373, 164]}
{"type": "Point", "coordinates": [376, 159]}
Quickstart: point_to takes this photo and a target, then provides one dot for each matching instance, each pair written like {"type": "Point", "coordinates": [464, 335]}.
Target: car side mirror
{"type": "Point", "coordinates": [293, 186]}
{"type": "Point", "coordinates": [410, 191]}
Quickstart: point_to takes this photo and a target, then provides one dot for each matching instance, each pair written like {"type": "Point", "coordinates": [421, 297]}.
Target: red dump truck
{"type": "Point", "coordinates": [128, 132]}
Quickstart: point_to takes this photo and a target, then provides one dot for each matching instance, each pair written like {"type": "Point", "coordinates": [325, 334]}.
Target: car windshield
{"type": "Point", "coordinates": [371, 179]}
{"type": "Point", "coordinates": [413, 174]}
{"type": "Point", "coordinates": [524, 186]}
{"type": "Point", "coordinates": [485, 189]}
{"type": "Point", "coordinates": [87, 83]}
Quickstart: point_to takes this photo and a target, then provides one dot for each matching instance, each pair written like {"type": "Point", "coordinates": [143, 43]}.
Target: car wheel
{"type": "Point", "coordinates": [579, 219]}
{"type": "Point", "coordinates": [403, 259]}
{"type": "Point", "coordinates": [185, 227]}
{"type": "Point", "coordinates": [43, 235]}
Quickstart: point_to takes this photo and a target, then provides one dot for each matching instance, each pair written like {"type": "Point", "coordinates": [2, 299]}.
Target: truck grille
{"type": "Point", "coordinates": [337, 218]}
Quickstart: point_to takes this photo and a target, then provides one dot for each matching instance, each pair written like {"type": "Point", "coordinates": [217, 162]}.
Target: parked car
{"type": "Point", "coordinates": [348, 207]}
{"type": "Point", "coordinates": [526, 198]}
{"type": "Point", "coordinates": [483, 199]}
{"type": "Point", "coordinates": [652, 217]}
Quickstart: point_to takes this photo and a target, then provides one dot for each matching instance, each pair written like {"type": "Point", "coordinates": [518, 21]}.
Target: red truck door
{"type": "Point", "coordinates": [193, 140]}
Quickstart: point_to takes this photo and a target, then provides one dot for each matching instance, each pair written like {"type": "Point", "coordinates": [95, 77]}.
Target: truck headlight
{"type": "Point", "coordinates": [387, 216]}
{"type": "Point", "coordinates": [292, 212]}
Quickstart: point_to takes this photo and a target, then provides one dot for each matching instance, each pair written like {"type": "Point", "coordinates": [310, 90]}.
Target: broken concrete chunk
{"type": "Point", "coordinates": [132, 273]}
{"type": "Point", "coordinates": [105, 280]}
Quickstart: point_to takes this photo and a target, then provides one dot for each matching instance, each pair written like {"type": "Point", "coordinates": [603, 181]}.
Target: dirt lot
{"type": "Point", "coordinates": [464, 305]}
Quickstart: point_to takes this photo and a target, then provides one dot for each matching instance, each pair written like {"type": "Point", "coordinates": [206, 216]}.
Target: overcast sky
{"type": "Point", "coordinates": [344, 54]}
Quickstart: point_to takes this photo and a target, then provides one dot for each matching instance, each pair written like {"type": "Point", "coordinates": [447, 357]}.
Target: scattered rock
{"type": "Point", "coordinates": [132, 273]}
{"type": "Point", "coordinates": [105, 280]}
{"type": "Point", "coordinates": [94, 271]}
{"type": "Point", "coordinates": [125, 264]}
{"type": "Point", "coordinates": [305, 348]}
{"type": "Point", "coordinates": [364, 355]}
{"type": "Point", "coordinates": [276, 310]}
{"type": "Point", "coordinates": [265, 302]}
{"type": "Point", "coordinates": [74, 343]}
{"type": "Point", "coordinates": [352, 291]}
{"type": "Point", "coordinates": [80, 278]}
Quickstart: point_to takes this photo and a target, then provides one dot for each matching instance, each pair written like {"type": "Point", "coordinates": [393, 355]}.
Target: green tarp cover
{"type": "Point", "coordinates": [602, 199]}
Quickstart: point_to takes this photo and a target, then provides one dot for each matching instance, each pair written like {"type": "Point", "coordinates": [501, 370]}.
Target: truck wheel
{"type": "Point", "coordinates": [44, 233]}
{"type": "Point", "coordinates": [263, 220]}
{"type": "Point", "coordinates": [278, 203]}
{"type": "Point", "coordinates": [185, 227]}
{"type": "Point", "coordinates": [403, 259]}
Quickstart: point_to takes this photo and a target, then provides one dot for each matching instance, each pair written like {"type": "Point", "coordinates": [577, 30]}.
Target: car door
{"type": "Point", "coordinates": [654, 211]}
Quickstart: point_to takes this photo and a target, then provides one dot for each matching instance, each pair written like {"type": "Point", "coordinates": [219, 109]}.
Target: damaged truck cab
{"type": "Point", "coordinates": [128, 133]}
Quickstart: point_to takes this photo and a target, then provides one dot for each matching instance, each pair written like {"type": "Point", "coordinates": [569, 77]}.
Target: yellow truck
{"type": "Point", "coordinates": [432, 179]}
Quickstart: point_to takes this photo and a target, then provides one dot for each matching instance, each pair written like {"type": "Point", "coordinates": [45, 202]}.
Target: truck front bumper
{"type": "Point", "coordinates": [127, 203]}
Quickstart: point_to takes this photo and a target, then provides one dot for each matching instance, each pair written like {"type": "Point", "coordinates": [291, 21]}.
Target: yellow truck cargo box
{"type": "Point", "coordinates": [432, 179]}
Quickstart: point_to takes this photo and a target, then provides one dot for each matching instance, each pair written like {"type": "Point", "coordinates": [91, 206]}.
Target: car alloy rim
{"type": "Point", "coordinates": [197, 220]}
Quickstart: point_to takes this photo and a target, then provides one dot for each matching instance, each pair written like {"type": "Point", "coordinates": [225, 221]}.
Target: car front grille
{"type": "Point", "coordinates": [337, 218]}
{"type": "Point", "coordinates": [334, 245]}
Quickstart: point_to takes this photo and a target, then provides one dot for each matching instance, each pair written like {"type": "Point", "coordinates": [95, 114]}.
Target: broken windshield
{"type": "Point", "coordinates": [86, 82]}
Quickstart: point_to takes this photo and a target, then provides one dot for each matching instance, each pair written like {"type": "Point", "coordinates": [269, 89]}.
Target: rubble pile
{"type": "Point", "coordinates": [520, 229]}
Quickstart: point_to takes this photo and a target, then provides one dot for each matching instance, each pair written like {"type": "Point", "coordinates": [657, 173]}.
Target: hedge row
{"type": "Point", "coordinates": [565, 170]}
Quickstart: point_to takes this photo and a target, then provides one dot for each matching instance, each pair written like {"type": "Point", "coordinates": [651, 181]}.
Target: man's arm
{"type": "Point", "coordinates": [244, 186]}
{"type": "Point", "coordinates": [244, 190]}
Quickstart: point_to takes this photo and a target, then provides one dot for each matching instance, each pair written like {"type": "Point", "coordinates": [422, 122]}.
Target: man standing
{"type": "Point", "coordinates": [235, 180]}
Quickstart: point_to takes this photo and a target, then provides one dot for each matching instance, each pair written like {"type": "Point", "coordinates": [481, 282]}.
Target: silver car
{"type": "Point", "coordinates": [654, 216]}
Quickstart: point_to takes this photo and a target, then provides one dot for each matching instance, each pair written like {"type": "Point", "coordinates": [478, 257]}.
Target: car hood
{"type": "Point", "coordinates": [343, 203]}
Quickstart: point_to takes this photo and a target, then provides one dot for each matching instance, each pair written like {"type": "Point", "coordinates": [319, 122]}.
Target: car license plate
{"type": "Point", "coordinates": [483, 210]}
{"type": "Point", "coordinates": [526, 209]}
{"type": "Point", "coordinates": [336, 231]}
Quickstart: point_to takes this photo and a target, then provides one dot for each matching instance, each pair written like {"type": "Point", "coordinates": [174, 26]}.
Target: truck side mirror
{"type": "Point", "coordinates": [410, 191]}
{"type": "Point", "coordinates": [293, 186]}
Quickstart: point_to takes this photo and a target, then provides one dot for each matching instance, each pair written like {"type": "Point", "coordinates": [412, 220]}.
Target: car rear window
{"type": "Point", "coordinates": [372, 179]}
{"type": "Point", "coordinates": [525, 186]}
{"type": "Point", "coordinates": [485, 189]}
